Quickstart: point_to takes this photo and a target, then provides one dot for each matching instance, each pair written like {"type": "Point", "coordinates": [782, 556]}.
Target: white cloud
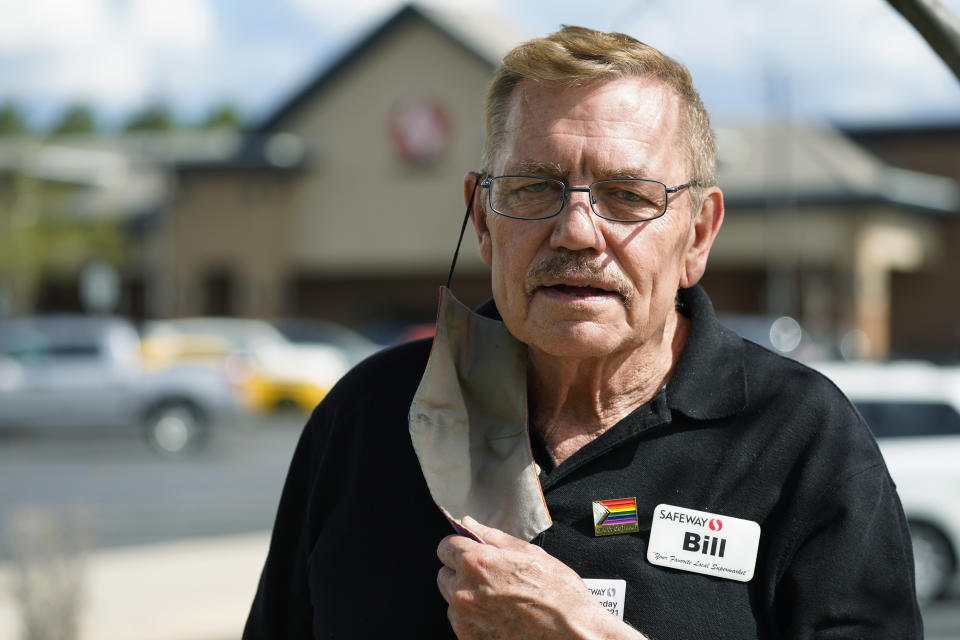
{"type": "Point", "coordinates": [336, 16]}
{"type": "Point", "coordinates": [180, 25]}
{"type": "Point", "coordinates": [844, 59]}
{"type": "Point", "coordinates": [848, 60]}
{"type": "Point", "coordinates": [62, 26]}
{"type": "Point", "coordinates": [105, 72]}
{"type": "Point", "coordinates": [98, 51]}
{"type": "Point", "coordinates": [346, 19]}
{"type": "Point", "coordinates": [51, 25]}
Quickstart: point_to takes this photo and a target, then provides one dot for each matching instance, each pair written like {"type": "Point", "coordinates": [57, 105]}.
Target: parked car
{"type": "Point", "coordinates": [914, 410]}
{"type": "Point", "coordinates": [271, 371]}
{"type": "Point", "coordinates": [73, 372]}
{"type": "Point", "coordinates": [317, 332]}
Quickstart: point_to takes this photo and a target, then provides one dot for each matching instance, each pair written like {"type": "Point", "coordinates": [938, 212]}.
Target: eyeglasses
{"type": "Point", "coordinates": [619, 200]}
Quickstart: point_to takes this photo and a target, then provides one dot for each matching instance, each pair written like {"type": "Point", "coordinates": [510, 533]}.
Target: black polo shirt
{"type": "Point", "coordinates": [738, 431]}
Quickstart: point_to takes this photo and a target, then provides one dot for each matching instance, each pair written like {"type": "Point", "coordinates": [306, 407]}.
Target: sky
{"type": "Point", "coordinates": [852, 62]}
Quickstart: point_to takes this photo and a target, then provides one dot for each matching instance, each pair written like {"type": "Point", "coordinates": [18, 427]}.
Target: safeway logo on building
{"type": "Point", "coordinates": [690, 540]}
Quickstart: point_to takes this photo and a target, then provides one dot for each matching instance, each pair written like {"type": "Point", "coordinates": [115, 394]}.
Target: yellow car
{"type": "Point", "coordinates": [269, 371]}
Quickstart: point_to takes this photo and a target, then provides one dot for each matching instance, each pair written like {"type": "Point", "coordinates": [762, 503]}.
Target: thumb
{"type": "Point", "coordinates": [491, 535]}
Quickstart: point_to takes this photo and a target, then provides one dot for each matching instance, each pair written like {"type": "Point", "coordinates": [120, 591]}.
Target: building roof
{"type": "Point", "coordinates": [126, 175]}
{"type": "Point", "coordinates": [107, 181]}
{"type": "Point", "coordinates": [483, 37]}
{"type": "Point", "coordinates": [921, 131]}
{"type": "Point", "coordinates": [780, 164]}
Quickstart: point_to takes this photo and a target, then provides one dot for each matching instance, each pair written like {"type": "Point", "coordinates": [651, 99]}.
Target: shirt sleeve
{"type": "Point", "coordinates": [851, 574]}
{"type": "Point", "coordinates": [281, 607]}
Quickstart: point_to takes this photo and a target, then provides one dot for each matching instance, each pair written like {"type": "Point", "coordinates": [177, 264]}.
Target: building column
{"type": "Point", "coordinates": [881, 248]}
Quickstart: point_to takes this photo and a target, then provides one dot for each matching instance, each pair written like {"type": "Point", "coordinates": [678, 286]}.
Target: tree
{"type": "Point", "coordinates": [154, 117]}
{"type": "Point", "coordinates": [41, 233]}
{"type": "Point", "coordinates": [75, 119]}
{"type": "Point", "coordinates": [224, 116]}
{"type": "Point", "coordinates": [12, 122]}
{"type": "Point", "coordinates": [938, 27]}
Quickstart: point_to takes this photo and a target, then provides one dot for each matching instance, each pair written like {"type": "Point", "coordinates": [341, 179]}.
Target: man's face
{"type": "Point", "coordinates": [577, 285]}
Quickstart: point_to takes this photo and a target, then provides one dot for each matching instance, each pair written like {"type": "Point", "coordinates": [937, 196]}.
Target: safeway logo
{"type": "Point", "coordinates": [715, 524]}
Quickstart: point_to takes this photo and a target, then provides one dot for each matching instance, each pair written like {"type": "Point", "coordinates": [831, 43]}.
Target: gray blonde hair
{"type": "Point", "coordinates": [576, 55]}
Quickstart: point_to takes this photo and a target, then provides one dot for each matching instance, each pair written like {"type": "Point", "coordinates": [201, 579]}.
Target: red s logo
{"type": "Point", "coordinates": [715, 524]}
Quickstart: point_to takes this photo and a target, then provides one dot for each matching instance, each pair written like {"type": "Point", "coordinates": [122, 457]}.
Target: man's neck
{"type": "Point", "coordinates": [575, 400]}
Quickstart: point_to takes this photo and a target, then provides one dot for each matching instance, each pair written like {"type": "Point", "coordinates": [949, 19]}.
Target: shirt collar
{"type": "Point", "coordinates": [709, 381]}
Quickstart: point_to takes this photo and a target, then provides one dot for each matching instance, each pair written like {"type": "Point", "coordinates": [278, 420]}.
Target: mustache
{"type": "Point", "coordinates": [566, 264]}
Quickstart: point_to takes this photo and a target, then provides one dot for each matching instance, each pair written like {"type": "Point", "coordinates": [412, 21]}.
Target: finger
{"type": "Point", "coordinates": [451, 549]}
{"type": "Point", "coordinates": [494, 536]}
{"type": "Point", "coordinates": [445, 582]}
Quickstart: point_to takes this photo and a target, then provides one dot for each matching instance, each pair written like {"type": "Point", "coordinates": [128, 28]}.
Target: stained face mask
{"type": "Point", "coordinates": [468, 422]}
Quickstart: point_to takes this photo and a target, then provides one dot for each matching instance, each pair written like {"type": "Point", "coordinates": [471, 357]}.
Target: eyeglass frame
{"type": "Point", "coordinates": [486, 183]}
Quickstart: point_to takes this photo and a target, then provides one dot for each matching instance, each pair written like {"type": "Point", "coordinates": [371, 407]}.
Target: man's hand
{"type": "Point", "coordinates": [510, 589]}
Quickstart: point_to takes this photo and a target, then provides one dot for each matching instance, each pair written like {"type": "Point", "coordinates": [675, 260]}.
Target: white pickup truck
{"type": "Point", "coordinates": [73, 372]}
{"type": "Point", "coordinates": [913, 409]}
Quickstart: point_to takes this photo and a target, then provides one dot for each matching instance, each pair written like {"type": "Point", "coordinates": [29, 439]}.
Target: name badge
{"type": "Point", "coordinates": [611, 594]}
{"type": "Point", "coordinates": [702, 542]}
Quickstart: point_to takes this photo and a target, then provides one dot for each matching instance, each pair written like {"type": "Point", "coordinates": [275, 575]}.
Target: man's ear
{"type": "Point", "coordinates": [702, 234]}
{"type": "Point", "coordinates": [471, 186]}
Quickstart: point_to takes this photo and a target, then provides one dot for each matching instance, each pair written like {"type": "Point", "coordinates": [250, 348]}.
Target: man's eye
{"type": "Point", "coordinates": [629, 196]}
{"type": "Point", "coordinates": [536, 187]}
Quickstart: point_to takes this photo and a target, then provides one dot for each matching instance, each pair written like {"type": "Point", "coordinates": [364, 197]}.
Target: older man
{"type": "Point", "coordinates": [646, 470]}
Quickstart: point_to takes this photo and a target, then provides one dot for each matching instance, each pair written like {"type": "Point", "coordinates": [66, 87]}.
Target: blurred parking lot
{"type": "Point", "coordinates": [140, 472]}
{"type": "Point", "coordinates": [146, 546]}
{"type": "Point", "coordinates": [170, 548]}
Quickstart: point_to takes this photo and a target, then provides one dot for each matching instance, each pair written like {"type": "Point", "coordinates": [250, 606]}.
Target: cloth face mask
{"type": "Point", "coordinates": [468, 423]}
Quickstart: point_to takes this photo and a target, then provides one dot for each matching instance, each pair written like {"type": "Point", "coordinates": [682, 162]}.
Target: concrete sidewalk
{"type": "Point", "coordinates": [198, 589]}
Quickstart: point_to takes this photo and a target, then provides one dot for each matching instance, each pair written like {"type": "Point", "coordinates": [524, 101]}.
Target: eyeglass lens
{"type": "Point", "coordinates": [531, 197]}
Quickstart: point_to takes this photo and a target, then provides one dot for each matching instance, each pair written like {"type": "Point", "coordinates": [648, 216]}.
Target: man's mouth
{"type": "Point", "coordinates": [575, 290]}
{"type": "Point", "coordinates": [574, 293]}
{"type": "Point", "coordinates": [571, 277]}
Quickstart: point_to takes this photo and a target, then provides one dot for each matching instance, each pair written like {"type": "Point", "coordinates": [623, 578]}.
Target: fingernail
{"type": "Point", "coordinates": [467, 521]}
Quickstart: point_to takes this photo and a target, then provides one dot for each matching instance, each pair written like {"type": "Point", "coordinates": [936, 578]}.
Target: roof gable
{"type": "Point", "coordinates": [486, 55]}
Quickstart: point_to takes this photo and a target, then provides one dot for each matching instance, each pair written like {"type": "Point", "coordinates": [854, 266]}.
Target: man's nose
{"type": "Point", "coordinates": [568, 190]}
{"type": "Point", "coordinates": [576, 225]}
{"type": "Point", "coordinates": [571, 199]}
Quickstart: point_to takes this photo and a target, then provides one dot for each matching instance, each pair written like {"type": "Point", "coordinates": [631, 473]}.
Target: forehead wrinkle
{"type": "Point", "coordinates": [645, 160]}
{"type": "Point", "coordinates": [610, 173]}
{"type": "Point", "coordinates": [597, 136]}
{"type": "Point", "coordinates": [659, 103]}
{"type": "Point", "coordinates": [554, 170]}
{"type": "Point", "coordinates": [653, 123]}
{"type": "Point", "coordinates": [536, 168]}
{"type": "Point", "coordinates": [633, 126]}
{"type": "Point", "coordinates": [638, 125]}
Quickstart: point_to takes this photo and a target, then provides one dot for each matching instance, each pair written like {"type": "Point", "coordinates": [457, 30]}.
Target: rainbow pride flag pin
{"type": "Point", "coordinates": [615, 516]}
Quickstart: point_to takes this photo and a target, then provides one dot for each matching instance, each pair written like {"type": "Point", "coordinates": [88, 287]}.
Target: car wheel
{"type": "Point", "coordinates": [173, 428]}
{"type": "Point", "coordinates": [933, 560]}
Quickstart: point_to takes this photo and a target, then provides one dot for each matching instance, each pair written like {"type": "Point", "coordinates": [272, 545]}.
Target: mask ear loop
{"type": "Point", "coordinates": [463, 228]}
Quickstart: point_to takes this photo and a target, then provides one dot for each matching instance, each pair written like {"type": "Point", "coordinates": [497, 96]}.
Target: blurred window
{"type": "Point", "coordinates": [27, 344]}
{"type": "Point", "coordinates": [18, 342]}
{"type": "Point", "coordinates": [76, 350]}
{"type": "Point", "coordinates": [907, 419]}
{"type": "Point", "coordinates": [39, 351]}
{"type": "Point", "coordinates": [219, 291]}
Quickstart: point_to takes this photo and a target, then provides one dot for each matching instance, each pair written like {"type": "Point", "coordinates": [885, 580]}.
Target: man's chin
{"type": "Point", "coordinates": [574, 337]}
